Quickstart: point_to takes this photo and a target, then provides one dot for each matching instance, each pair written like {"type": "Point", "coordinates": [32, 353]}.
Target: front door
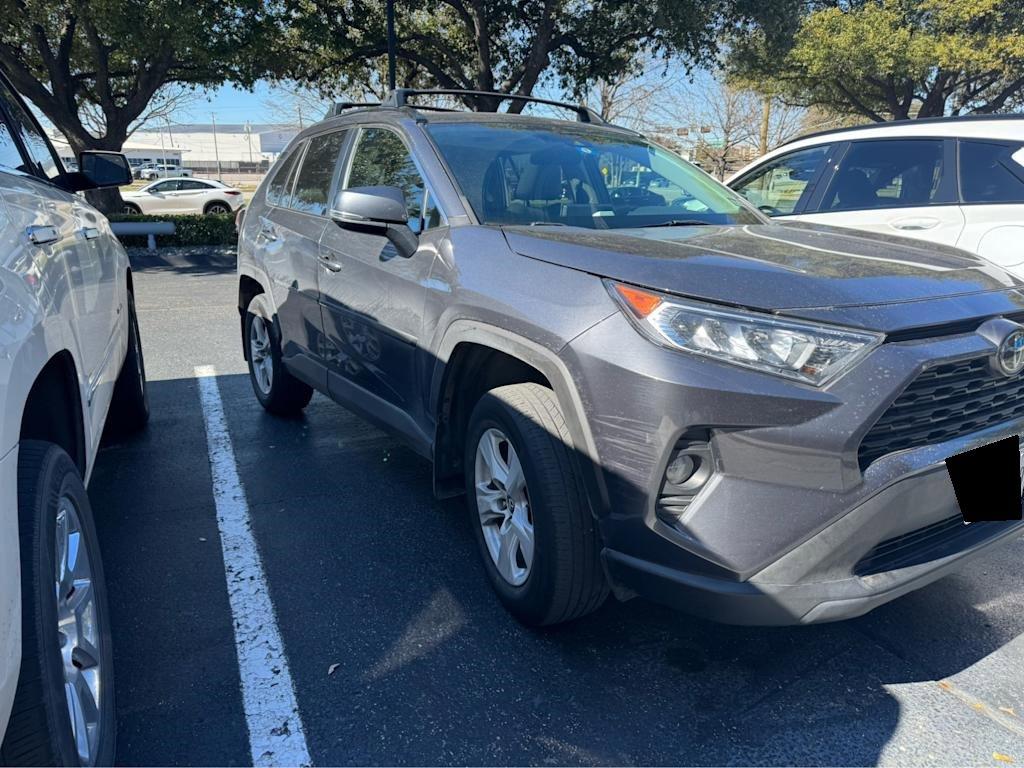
{"type": "Point", "coordinates": [372, 297]}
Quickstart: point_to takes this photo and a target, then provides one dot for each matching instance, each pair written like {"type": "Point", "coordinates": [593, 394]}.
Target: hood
{"type": "Point", "coordinates": [784, 268]}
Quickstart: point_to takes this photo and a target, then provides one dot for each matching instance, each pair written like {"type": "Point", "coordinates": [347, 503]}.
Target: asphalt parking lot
{"type": "Point", "coordinates": [367, 572]}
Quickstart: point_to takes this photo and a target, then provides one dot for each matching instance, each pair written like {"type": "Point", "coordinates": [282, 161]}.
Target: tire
{"type": "Point", "coordinates": [131, 209]}
{"type": "Point", "coordinates": [40, 730]}
{"type": "Point", "coordinates": [217, 209]}
{"type": "Point", "coordinates": [277, 390]}
{"type": "Point", "coordinates": [563, 578]}
{"type": "Point", "coordinates": [129, 410]}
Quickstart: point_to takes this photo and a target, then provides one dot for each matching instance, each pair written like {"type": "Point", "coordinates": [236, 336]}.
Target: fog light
{"type": "Point", "coordinates": [681, 468]}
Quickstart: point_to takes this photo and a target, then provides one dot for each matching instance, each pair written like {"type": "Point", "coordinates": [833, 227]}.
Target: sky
{"type": "Point", "coordinates": [231, 105]}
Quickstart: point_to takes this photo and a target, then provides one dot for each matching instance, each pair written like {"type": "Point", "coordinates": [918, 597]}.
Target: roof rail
{"type": "Point", "coordinates": [400, 98]}
{"type": "Point", "coordinates": [911, 121]}
{"type": "Point", "coordinates": [341, 106]}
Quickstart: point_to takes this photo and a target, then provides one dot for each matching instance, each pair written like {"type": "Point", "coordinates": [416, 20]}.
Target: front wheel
{"type": "Point", "coordinates": [63, 710]}
{"type": "Point", "coordinates": [275, 387]}
{"type": "Point", "coordinates": [533, 525]}
{"type": "Point", "coordinates": [129, 410]}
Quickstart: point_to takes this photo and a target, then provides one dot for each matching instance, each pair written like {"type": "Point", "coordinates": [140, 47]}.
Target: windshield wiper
{"type": "Point", "coordinates": [679, 223]}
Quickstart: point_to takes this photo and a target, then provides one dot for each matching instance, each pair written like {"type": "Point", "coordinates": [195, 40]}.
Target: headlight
{"type": "Point", "coordinates": [807, 352]}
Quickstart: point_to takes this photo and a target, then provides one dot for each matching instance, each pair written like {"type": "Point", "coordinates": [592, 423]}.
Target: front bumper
{"type": "Point", "coordinates": [782, 532]}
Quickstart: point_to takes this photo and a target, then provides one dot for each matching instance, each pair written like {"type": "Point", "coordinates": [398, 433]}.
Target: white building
{"type": "Point", "coordinates": [237, 147]}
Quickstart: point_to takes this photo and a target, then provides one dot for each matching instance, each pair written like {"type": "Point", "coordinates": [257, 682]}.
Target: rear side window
{"type": "Point", "coordinates": [777, 187]}
{"type": "Point", "coordinates": [10, 155]}
{"type": "Point", "coordinates": [382, 160]}
{"type": "Point", "coordinates": [314, 181]}
{"type": "Point", "coordinates": [281, 186]}
{"type": "Point", "coordinates": [192, 185]}
{"type": "Point", "coordinates": [889, 174]}
{"type": "Point", "coordinates": [991, 173]}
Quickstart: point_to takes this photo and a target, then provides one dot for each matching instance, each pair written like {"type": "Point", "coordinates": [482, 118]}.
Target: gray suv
{"type": "Point", "coordinates": [640, 383]}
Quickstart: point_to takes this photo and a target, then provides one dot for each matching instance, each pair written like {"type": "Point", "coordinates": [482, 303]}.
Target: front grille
{"type": "Point", "coordinates": [943, 403]}
{"type": "Point", "coordinates": [941, 539]}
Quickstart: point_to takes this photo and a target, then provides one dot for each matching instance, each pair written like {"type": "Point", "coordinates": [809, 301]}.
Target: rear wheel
{"type": "Point", "coordinates": [131, 209]}
{"type": "Point", "coordinates": [217, 209]}
{"type": "Point", "coordinates": [276, 389]}
{"type": "Point", "coordinates": [532, 522]}
{"type": "Point", "coordinates": [64, 706]}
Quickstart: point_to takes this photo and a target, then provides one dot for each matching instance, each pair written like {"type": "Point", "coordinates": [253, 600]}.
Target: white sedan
{"type": "Point", "coordinates": [182, 196]}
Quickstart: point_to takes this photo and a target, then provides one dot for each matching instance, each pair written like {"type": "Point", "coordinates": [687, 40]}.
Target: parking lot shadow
{"type": "Point", "coordinates": [401, 654]}
{"type": "Point", "coordinates": [191, 260]}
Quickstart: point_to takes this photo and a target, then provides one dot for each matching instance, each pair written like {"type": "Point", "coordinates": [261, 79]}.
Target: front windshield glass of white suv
{"type": "Point", "coordinates": [578, 176]}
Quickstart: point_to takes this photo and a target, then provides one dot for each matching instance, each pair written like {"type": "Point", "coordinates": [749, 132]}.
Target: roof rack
{"type": "Point", "coordinates": [400, 98]}
{"type": "Point", "coordinates": [341, 106]}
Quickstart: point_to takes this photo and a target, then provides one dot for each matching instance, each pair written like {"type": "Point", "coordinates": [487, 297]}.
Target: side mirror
{"type": "Point", "coordinates": [370, 205]}
{"type": "Point", "coordinates": [380, 209]}
{"type": "Point", "coordinates": [105, 169]}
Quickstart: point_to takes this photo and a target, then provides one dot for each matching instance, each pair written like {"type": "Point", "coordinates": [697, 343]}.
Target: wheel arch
{"type": "Point", "coordinates": [53, 409]}
{"type": "Point", "coordinates": [210, 203]}
{"type": "Point", "coordinates": [489, 356]}
{"type": "Point", "coordinates": [249, 287]}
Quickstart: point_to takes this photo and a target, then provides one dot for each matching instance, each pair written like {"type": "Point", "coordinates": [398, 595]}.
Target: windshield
{"type": "Point", "coordinates": [577, 176]}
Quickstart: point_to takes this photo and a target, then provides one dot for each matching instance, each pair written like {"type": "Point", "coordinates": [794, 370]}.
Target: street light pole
{"type": "Point", "coordinates": [216, 151]}
{"type": "Point", "coordinates": [392, 44]}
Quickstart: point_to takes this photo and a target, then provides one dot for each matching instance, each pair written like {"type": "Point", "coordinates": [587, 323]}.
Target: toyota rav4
{"type": "Point", "coordinates": [641, 384]}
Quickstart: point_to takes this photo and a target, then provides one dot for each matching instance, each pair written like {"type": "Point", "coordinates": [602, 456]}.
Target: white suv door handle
{"type": "Point", "coordinates": [915, 223]}
{"type": "Point", "coordinates": [42, 234]}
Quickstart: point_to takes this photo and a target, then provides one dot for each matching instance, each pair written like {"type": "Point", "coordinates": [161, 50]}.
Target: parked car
{"type": "Point", "coordinates": [161, 171]}
{"type": "Point", "coordinates": [955, 181]}
{"type": "Point", "coordinates": [683, 400]}
{"type": "Point", "coordinates": [182, 196]}
{"type": "Point", "coordinates": [70, 364]}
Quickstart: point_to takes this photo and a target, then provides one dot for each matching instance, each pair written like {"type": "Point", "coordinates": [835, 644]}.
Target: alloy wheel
{"type": "Point", "coordinates": [503, 504]}
{"type": "Point", "coordinates": [78, 632]}
{"type": "Point", "coordinates": [260, 354]}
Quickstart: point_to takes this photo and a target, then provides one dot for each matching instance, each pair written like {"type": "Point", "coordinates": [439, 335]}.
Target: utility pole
{"type": "Point", "coordinates": [299, 108]}
{"type": "Point", "coordinates": [163, 152]}
{"type": "Point", "coordinates": [766, 116]}
{"type": "Point", "coordinates": [392, 44]}
{"type": "Point", "coordinates": [216, 151]}
{"type": "Point", "coordinates": [248, 138]}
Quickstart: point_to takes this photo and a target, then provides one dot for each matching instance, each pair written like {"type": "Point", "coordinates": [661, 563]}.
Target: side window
{"type": "Point", "coordinates": [10, 155]}
{"type": "Point", "coordinates": [889, 174]}
{"type": "Point", "coordinates": [314, 180]}
{"type": "Point", "coordinates": [991, 173]}
{"type": "Point", "coordinates": [171, 185]}
{"type": "Point", "coordinates": [382, 160]}
{"type": "Point", "coordinates": [44, 163]}
{"type": "Point", "coordinates": [192, 186]}
{"type": "Point", "coordinates": [777, 187]}
{"type": "Point", "coordinates": [281, 186]}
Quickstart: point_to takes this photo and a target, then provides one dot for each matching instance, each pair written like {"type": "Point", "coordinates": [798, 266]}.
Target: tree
{"type": "Point", "coordinates": [510, 46]}
{"type": "Point", "coordinates": [97, 64]}
{"type": "Point", "coordinates": [896, 59]}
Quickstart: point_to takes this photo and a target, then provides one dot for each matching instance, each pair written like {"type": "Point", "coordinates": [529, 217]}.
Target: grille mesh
{"type": "Point", "coordinates": [943, 403]}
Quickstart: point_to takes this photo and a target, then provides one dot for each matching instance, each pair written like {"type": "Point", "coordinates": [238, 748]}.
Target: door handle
{"type": "Point", "coordinates": [42, 234]}
{"type": "Point", "coordinates": [329, 264]}
{"type": "Point", "coordinates": [912, 224]}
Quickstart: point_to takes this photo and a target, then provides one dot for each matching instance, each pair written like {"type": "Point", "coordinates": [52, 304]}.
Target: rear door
{"type": "Point", "coordinates": [191, 195]}
{"type": "Point", "coordinates": [992, 200]}
{"type": "Point", "coordinates": [904, 187]}
{"type": "Point", "coordinates": [291, 227]}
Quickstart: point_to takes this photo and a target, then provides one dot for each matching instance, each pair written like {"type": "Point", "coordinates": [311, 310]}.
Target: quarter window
{"type": "Point", "coordinates": [10, 155]}
{"type": "Point", "coordinates": [382, 160]}
{"type": "Point", "coordinates": [889, 174]}
{"type": "Point", "coordinates": [991, 173]}
{"type": "Point", "coordinates": [279, 191]}
{"type": "Point", "coordinates": [317, 172]}
{"type": "Point", "coordinates": [778, 187]}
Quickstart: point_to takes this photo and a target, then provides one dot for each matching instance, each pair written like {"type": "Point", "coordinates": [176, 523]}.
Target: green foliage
{"type": "Point", "coordinates": [508, 45]}
{"type": "Point", "coordinates": [188, 230]}
{"type": "Point", "coordinates": [894, 59]}
{"type": "Point", "coordinates": [116, 54]}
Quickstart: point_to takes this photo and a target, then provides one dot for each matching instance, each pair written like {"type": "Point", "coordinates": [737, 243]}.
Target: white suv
{"type": "Point", "coordinates": [70, 362]}
{"type": "Point", "coordinates": [956, 181]}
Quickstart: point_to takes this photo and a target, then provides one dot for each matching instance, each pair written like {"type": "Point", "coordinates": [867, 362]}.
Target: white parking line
{"type": "Point", "coordinates": [276, 736]}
